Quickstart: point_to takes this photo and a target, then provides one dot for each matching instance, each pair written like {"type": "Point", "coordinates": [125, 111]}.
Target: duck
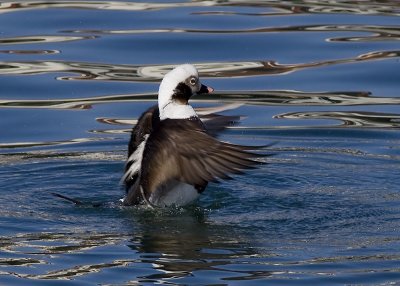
{"type": "Point", "coordinates": [172, 157]}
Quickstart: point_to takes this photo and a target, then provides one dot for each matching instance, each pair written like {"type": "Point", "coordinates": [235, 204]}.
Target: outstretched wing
{"type": "Point", "coordinates": [184, 151]}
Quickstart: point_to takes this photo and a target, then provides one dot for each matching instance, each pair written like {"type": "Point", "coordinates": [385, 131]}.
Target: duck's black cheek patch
{"type": "Point", "coordinates": [182, 93]}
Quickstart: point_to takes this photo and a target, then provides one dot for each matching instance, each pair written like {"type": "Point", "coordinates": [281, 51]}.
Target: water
{"type": "Point", "coordinates": [319, 79]}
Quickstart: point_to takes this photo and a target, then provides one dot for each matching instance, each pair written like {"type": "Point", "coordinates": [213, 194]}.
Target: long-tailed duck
{"type": "Point", "coordinates": [171, 156]}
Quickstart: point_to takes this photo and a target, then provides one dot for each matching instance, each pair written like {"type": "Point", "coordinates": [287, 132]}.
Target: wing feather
{"type": "Point", "coordinates": [199, 157]}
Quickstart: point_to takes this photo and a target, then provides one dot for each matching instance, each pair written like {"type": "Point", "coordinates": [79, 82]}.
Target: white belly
{"type": "Point", "coordinates": [177, 193]}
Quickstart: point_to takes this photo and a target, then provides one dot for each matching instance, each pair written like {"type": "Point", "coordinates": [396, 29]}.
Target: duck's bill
{"type": "Point", "coordinates": [205, 89]}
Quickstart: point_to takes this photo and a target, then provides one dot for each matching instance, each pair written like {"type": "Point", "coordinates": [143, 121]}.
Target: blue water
{"type": "Point", "coordinates": [321, 80]}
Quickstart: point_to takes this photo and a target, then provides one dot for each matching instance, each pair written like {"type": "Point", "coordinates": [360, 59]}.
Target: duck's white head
{"type": "Point", "coordinates": [176, 88]}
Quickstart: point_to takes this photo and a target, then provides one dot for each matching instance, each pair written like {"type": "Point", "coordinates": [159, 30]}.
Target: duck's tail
{"type": "Point", "coordinates": [76, 202]}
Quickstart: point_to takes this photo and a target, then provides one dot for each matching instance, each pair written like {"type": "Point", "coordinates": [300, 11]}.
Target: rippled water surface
{"type": "Point", "coordinates": [319, 78]}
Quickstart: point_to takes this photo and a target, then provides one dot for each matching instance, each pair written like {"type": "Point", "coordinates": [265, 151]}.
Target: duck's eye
{"type": "Point", "coordinates": [193, 81]}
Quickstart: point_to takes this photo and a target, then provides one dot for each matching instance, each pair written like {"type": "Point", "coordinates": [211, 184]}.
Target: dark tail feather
{"type": "Point", "coordinates": [75, 201]}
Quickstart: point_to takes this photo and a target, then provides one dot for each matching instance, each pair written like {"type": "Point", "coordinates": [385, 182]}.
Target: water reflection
{"type": "Point", "coordinates": [177, 250]}
{"type": "Point", "coordinates": [154, 73]}
{"type": "Point", "coordinates": [176, 247]}
{"type": "Point", "coordinates": [42, 39]}
{"type": "Point", "coordinates": [169, 257]}
{"type": "Point", "coordinates": [226, 99]}
{"type": "Point", "coordinates": [15, 145]}
{"type": "Point", "coordinates": [43, 248]}
{"type": "Point", "coordinates": [30, 52]}
{"type": "Point", "coordinates": [354, 119]}
{"type": "Point", "coordinates": [171, 247]}
{"type": "Point", "coordinates": [378, 33]}
{"type": "Point", "coordinates": [47, 155]}
{"type": "Point", "coordinates": [283, 7]}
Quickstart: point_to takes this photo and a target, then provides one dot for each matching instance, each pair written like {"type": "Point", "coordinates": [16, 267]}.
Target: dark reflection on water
{"type": "Point", "coordinates": [189, 246]}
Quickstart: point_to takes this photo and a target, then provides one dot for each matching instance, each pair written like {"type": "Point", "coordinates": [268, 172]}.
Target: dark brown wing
{"type": "Point", "coordinates": [182, 150]}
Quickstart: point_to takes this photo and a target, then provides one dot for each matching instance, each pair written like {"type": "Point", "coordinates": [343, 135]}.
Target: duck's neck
{"type": "Point", "coordinates": [176, 111]}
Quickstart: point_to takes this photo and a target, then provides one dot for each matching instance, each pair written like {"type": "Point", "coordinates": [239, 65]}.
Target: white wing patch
{"type": "Point", "coordinates": [136, 159]}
